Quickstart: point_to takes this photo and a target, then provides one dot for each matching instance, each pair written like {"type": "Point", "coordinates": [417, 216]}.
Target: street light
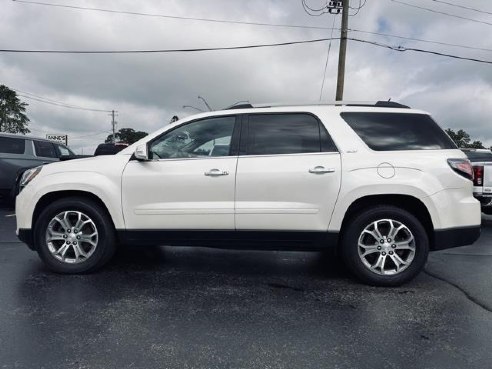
{"type": "Point", "coordinates": [192, 107]}
{"type": "Point", "coordinates": [206, 103]}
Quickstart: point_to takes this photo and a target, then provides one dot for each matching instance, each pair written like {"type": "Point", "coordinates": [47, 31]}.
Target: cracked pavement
{"type": "Point", "coordinates": [181, 307]}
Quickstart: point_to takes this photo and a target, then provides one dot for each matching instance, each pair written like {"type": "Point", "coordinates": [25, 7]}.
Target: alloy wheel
{"type": "Point", "coordinates": [386, 247]}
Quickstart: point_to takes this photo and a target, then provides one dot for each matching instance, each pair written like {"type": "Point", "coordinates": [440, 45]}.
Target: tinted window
{"type": "Point", "coordinates": [9, 145]}
{"type": "Point", "coordinates": [207, 137]}
{"type": "Point", "coordinates": [398, 131]}
{"type": "Point", "coordinates": [273, 134]}
{"type": "Point", "coordinates": [45, 149]}
{"type": "Point", "coordinates": [479, 155]}
{"type": "Point", "coordinates": [63, 151]}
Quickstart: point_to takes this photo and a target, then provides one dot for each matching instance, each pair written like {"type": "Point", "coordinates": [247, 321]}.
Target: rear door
{"type": "Point", "coordinates": [288, 174]}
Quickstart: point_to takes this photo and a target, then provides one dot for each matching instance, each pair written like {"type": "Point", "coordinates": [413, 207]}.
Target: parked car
{"type": "Point", "coordinates": [18, 153]}
{"type": "Point", "coordinates": [481, 160]}
{"type": "Point", "coordinates": [109, 148]}
{"type": "Point", "coordinates": [382, 182]}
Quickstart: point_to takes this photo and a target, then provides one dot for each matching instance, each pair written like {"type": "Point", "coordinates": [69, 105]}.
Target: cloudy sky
{"type": "Point", "coordinates": [148, 89]}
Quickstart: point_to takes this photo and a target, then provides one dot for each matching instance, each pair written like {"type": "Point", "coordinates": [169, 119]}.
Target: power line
{"type": "Point", "coordinates": [166, 50]}
{"type": "Point", "coordinates": [440, 12]}
{"type": "Point", "coordinates": [403, 49]}
{"type": "Point", "coordinates": [357, 9]}
{"type": "Point", "coordinates": [213, 20]}
{"type": "Point", "coordinates": [60, 104]}
{"type": "Point", "coordinates": [249, 23]}
{"type": "Point", "coordinates": [45, 100]}
{"type": "Point", "coordinates": [327, 60]}
{"type": "Point", "coordinates": [419, 40]}
{"type": "Point", "coordinates": [395, 48]}
{"type": "Point", "coordinates": [462, 7]}
{"type": "Point", "coordinates": [315, 12]}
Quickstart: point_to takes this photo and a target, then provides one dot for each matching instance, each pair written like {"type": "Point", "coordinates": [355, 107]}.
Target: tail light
{"type": "Point", "coordinates": [478, 175]}
{"type": "Point", "coordinates": [463, 167]}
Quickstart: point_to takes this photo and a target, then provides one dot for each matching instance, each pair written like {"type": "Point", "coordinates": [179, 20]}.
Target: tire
{"type": "Point", "coordinates": [411, 244]}
{"type": "Point", "coordinates": [98, 229]}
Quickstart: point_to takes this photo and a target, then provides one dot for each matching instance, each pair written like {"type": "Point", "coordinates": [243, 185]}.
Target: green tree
{"type": "Point", "coordinates": [127, 135]}
{"type": "Point", "coordinates": [463, 140]}
{"type": "Point", "coordinates": [12, 117]}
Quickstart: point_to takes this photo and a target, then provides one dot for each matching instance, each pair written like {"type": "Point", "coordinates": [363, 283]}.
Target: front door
{"type": "Point", "coordinates": [190, 182]}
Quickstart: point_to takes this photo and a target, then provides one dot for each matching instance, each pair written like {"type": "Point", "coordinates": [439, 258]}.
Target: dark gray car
{"type": "Point", "coordinates": [18, 153]}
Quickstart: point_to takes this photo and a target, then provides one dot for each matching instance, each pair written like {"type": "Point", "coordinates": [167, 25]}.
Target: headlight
{"type": "Point", "coordinates": [28, 176]}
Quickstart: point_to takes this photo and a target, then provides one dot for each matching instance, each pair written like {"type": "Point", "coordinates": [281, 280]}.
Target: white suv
{"type": "Point", "coordinates": [382, 182]}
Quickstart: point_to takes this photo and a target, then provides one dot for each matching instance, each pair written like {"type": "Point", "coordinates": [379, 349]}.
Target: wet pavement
{"type": "Point", "coordinates": [167, 307]}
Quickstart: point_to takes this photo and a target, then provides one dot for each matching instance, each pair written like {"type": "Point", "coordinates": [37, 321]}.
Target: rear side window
{"type": "Point", "coordinates": [398, 131]}
{"type": "Point", "coordinates": [274, 134]}
{"type": "Point", "coordinates": [45, 149]}
{"type": "Point", "coordinates": [10, 145]}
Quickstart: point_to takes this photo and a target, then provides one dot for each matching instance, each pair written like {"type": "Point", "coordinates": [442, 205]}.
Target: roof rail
{"type": "Point", "coordinates": [378, 104]}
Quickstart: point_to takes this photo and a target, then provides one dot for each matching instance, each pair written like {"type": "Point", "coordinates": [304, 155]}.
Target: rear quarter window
{"type": "Point", "coordinates": [398, 131]}
{"type": "Point", "coordinates": [10, 145]}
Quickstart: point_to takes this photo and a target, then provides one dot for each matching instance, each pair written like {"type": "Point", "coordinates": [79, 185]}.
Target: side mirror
{"type": "Point", "coordinates": [142, 153]}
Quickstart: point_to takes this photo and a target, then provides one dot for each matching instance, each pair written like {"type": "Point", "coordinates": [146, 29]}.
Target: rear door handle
{"type": "Point", "coordinates": [216, 173]}
{"type": "Point", "coordinates": [321, 170]}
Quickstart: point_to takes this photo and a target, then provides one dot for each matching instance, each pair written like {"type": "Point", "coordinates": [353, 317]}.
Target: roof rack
{"type": "Point", "coordinates": [377, 104]}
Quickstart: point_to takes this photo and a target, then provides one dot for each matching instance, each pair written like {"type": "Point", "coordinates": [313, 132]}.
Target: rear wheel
{"type": "Point", "coordinates": [74, 235]}
{"type": "Point", "coordinates": [385, 246]}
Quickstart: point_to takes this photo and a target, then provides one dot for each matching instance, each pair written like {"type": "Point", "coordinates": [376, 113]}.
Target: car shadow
{"type": "Point", "coordinates": [326, 264]}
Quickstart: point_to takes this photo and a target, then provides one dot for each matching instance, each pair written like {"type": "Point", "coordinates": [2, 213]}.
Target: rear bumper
{"type": "Point", "coordinates": [455, 237]}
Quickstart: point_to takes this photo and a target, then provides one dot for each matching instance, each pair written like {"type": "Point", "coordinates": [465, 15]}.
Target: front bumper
{"type": "Point", "coordinates": [455, 237]}
{"type": "Point", "coordinates": [26, 236]}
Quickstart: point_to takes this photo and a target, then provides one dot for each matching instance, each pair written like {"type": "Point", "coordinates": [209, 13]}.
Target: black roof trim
{"type": "Point", "coordinates": [391, 104]}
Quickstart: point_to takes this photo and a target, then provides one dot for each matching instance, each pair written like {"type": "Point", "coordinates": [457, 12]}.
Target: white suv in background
{"type": "Point", "coordinates": [382, 182]}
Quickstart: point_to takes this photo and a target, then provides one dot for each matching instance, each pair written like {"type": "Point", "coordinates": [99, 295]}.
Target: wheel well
{"type": "Point", "coordinates": [57, 195]}
{"type": "Point", "coordinates": [408, 203]}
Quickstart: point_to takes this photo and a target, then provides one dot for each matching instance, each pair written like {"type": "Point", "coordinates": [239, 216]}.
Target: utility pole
{"type": "Point", "coordinates": [113, 124]}
{"type": "Point", "coordinates": [343, 51]}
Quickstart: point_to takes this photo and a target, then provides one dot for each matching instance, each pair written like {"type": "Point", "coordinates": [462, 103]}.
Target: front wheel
{"type": "Point", "coordinates": [74, 235]}
{"type": "Point", "coordinates": [385, 246]}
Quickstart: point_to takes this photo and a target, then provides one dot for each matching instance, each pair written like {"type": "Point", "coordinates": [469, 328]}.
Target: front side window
{"type": "Point", "coordinates": [10, 145]}
{"type": "Point", "coordinates": [205, 138]}
{"type": "Point", "coordinates": [276, 134]}
{"type": "Point", "coordinates": [45, 149]}
{"type": "Point", "coordinates": [398, 131]}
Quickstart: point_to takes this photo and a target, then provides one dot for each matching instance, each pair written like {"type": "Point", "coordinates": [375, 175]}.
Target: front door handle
{"type": "Point", "coordinates": [216, 173]}
{"type": "Point", "coordinates": [321, 170]}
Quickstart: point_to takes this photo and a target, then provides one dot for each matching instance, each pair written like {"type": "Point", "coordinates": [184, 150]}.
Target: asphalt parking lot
{"type": "Point", "coordinates": [202, 308]}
